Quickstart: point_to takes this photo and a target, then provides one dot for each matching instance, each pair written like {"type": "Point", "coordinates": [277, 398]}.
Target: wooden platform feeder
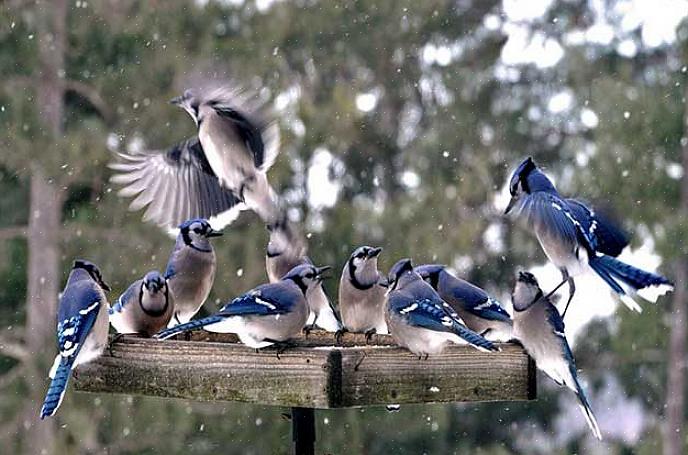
{"type": "Point", "coordinates": [313, 374]}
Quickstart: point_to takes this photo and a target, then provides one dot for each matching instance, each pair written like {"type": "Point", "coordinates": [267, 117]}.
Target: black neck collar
{"type": "Point", "coordinates": [153, 313]}
{"type": "Point", "coordinates": [354, 281]}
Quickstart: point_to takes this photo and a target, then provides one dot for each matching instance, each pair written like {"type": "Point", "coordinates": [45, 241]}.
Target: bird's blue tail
{"type": "Point", "coordinates": [473, 338]}
{"type": "Point", "coordinates": [191, 325]}
{"type": "Point", "coordinates": [585, 407]}
{"type": "Point", "coordinates": [614, 273]}
{"type": "Point", "coordinates": [57, 389]}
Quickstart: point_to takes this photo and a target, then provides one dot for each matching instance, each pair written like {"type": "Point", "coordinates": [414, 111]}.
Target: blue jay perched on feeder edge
{"type": "Point", "coordinates": [270, 313]}
{"type": "Point", "coordinates": [238, 143]}
{"type": "Point", "coordinates": [175, 186]}
{"type": "Point", "coordinates": [480, 312]}
{"type": "Point", "coordinates": [575, 238]}
{"type": "Point", "coordinates": [538, 326]}
{"type": "Point", "coordinates": [361, 297]}
{"type": "Point", "coordinates": [145, 307]}
{"type": "Point", "coordinates": [419, 320]}
{"type": "Point", "coordinates": [82, 329]}
{"type": "Point", "coordinates": [191, 268]}
{"type": "Point", "coordinates": [286, 249]}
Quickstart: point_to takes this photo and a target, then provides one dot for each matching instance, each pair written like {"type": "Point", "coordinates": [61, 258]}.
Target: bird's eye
{"type": "Point", "coordinates": [310, 275]}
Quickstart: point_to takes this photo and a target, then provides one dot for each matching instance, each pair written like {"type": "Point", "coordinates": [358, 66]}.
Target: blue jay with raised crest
{"type": "Point", "coordinates": [191, 268]}
{"type": "Point", "coordinates": [145, 307]}
{"type": "Point", "coordinates": [479, 311]}
{"type": "Point", "coordinates": [82, 328]}
{"type": "Point", "coordinates": [576, 238]}
{"type": "Point", "coordinates": [540, 328]}
{"type": "Point", "coordinates": [419, 320]}
{"type": "Point", "coordinates": [268, 314]}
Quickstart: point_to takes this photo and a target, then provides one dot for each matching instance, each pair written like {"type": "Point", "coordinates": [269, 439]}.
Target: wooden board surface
{"type": "Point", "coordinates": [313, 373]}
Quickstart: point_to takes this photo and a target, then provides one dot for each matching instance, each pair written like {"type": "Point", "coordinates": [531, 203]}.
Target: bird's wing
{"type": "Point", "coordinates": [262, 301]}
{"type": "Point", "coordinates": [174, 186]}
{"type": "Point", "coordinates": [478, 302]}
{"type": "Point", "coordinates": [606, 236]}
{"type": "Point", "coordinates": [556, 323]}
{"type": "Point", "coordinates": [552, 216]}
{"type": "Point", "coordinates": [78, 312]}
{"type": "Point", "coordinates": [423, 312]}
{"type": "Point", "coordinates": [128, 295]}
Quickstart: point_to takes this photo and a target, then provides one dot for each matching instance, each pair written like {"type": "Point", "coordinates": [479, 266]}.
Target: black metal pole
{"type": "Point", "coordinates": [303, 430]}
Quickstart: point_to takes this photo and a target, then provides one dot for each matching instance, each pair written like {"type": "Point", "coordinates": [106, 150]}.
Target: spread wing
{"type": "Point", "coordinates": [605, 235]}
{"type": "Point", "coordinates": [553, 219]}
{"type": "Point", "coordinates": [174, 186]}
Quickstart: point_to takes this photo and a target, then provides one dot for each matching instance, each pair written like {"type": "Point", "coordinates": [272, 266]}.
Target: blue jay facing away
{"type": "Point", "coordinates": [538, 326]}
{"type": "Point", "coordinates": [82, 329]}
{"type": "Point", "coordinates": [576, 239]}
{"type": "Point", "coordinates": [361, 298]}
{"type": "Point", "coordinates": [268, 314]}
{"type": "Point", "coordinates": [480, 312]}
{"type": "Point", "coordinates": [191, 269]}
{"type": "Point", "coordinates": [287, 249]}
{"type": "Point", "coordinates": [419, 320]}
{"type": "Point", "coordinates": [145, 308]}
{"type": "Point", "coordinates": [239, 144]}
{"type": "Point", "coordinates": [175, 186]}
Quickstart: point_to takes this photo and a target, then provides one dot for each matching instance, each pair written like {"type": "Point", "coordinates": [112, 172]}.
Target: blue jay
{"type": "Point", "coordinates": [419, 320]}
{"type": "Point", "coordinates": [361, 297]}
{"type": "Point", "coordinates": [480, 312]}
{"type": "Point", "coordinates": [287, 249]}
{"type": "Point", "coordinates": [191, 268]}
{"type": "Point", "coordinates": [538, 326]}
{"type": "Point", "coordinates": [576, 239]}
{"type": "Point", "coordinates": [270, 313]}
{"type": "Point", "coordinates": [175, 186]}
{"type": "Point", "coordinates": [82, 329]}
{"type": "Point", "coordinates": [238, 143]}
{"type": "Point", "coordinates": [145, 307]}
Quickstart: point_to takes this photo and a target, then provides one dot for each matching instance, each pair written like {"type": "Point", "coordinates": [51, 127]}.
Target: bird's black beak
{"type": "Point", "coordinates": [177, 101]}
{"type": "Point", "coordinates": [374, 252]}
{"type": "Point", "coordinates": [384, 282]}
{"type": "Point", "coordinates": [105, 286]}
{"type": "Point", "coordinates": [320, 270]}
{"type": "Point", "coordinates": [511, 205]}
{"type": "Point", "coordinates": [214, 233]}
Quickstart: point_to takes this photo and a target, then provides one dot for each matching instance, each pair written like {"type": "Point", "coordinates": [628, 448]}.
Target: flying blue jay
{"type": "Point", "coordinates": [239, 145]}
{"type": "Point", "coordinates": [419, 320]}
{"type": "Point", "coordinates": [576, 239]}
{"type": "Point", "coordinates": [480, 312]}
{"type": "Point", "coordinates": [191, 268]}
{"type": "Point", "coordinates": [361, 297]}
{"type": "Point", "coordinates": [538, 326]}
{"type": "Point", "coordinates": [271, 313]}
{"type": "Point", "coordinates": [175, 186]}
{"type": "Point", "coordinates": [82, 329]}
{"type": "Point", "coordinates": [286, 249]}
{"type": "Point", "coordinates": [145, 307]}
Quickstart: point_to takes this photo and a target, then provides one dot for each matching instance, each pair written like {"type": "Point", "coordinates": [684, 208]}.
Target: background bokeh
{"type": "Point", "coordinates": [400, 121]}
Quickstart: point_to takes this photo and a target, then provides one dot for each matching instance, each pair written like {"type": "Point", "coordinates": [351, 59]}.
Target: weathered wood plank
{"type": "Point", "coordinates": [315, 373]}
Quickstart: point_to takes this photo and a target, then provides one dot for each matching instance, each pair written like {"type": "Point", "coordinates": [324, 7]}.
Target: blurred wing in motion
{"type": "Point", "coordinates": [175, 186]}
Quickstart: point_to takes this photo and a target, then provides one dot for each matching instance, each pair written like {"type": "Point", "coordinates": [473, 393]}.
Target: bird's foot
{"type": "Point", "coordinates": [369, 335]}
{"type": "Point", "coordinates": [114, 339]}
{"type": "Point", "coordinates": [339, 334]}
{"type": "Point", "coordinates": [308, 329]}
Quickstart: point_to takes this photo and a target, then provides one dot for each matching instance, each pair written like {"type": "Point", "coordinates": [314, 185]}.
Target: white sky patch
{"type": "Point", "coordinates": [627, 48]}
{"type": "Point", "coordinates": [523, 47]}
{"type": "Point", "coordinates": [560, 102]}
{"type": "Point", "coordinates": [493, 237]}
{"type": "Point", "coordinates": [524, 10]}
{"type": "Point", "coordinates": [323, 188]}
{"type": "Point", "coordinates": [658, 19]}
{"type": "Point", "coordinates": [410, 179]}
{"type": "Point", "coordinates": [440, 55]}
{"type": "Point", "coordinates": [588, 118]}
{"type": "Point", "coordinates": [366, 102]}
{"type": "Point", "coordinates": [674, 171]}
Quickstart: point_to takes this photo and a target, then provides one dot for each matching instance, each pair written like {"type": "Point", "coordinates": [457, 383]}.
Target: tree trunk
{"type": "Point", "coordinates": [673, 434]}
{"type": "Point", "coordinates": [44, 227]}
